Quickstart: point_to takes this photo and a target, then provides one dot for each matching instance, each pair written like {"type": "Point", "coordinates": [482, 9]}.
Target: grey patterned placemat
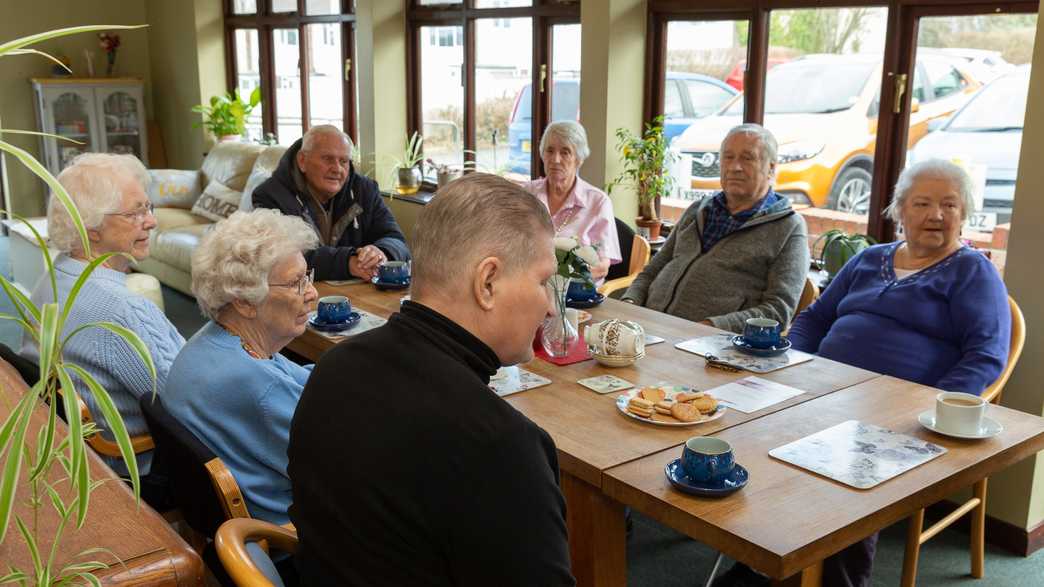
{"type": "Point", "coordinates": [858, 454]}
{"type": "Point", "coordinates": [367, 321]}
{"type": "Point", "coordinates": [720, 345]}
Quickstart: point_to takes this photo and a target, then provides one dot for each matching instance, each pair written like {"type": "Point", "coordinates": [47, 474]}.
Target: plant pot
{"type": "Point", "coordinates": [408, 180]}
{"type": "Point", "coordinates": [449, 175]}
{"type": "Point", "coordinates": [230, 138]}
{"type": "Point", "coordinates": [650, 229]}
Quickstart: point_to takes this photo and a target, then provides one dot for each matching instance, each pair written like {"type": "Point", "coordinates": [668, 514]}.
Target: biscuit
{"type": "Point", "coordinates": [653, 394]}
{"type": "Point", "coordinates": [685, 412]}
{"type": "Point", "coordinates": [706, 404]}
{"type": "Point", "coordinates": [640, 412]}
{"type": "Point", "coordinates": [643, 404]}
{"type": "Point", "coordinates": [663, 408]}
{"type": "Point", "coordinates": [687, 397]}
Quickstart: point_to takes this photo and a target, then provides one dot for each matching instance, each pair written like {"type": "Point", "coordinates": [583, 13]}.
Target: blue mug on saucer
{"type": "Point", "coordinates": [581, 292]}
{"type": "Point", "coordinates": [761, 333]}
{"type": "Point", "coordinates": [334, 310]}
{"type": "Point", "coordinates": [706, 459]}
{"type": "Point", "coordinates": [396, 272]}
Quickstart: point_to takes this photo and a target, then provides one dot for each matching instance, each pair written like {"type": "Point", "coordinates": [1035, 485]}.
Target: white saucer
{"type": "Point", "coordinates": [989, 428]}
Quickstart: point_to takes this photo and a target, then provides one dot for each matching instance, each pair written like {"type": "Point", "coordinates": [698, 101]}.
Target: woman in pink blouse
{"type": "Point", "coordinates": [577, 208]}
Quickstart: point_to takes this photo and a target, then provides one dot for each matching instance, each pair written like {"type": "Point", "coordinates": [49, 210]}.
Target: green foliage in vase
{"type": "Point", "coordinates": [226, 115]}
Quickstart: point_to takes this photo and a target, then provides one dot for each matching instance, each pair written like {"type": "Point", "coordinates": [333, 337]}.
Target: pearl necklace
{"type": "Point", "coordinates": [568, 219]}
{"type": "Point", "coordinates": [247, 347]}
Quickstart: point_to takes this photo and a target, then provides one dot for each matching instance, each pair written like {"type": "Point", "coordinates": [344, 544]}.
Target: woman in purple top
{"type": "Point", "coordinates": [578, 209]}
{"type": "Point", "coordinates": [927, 309]}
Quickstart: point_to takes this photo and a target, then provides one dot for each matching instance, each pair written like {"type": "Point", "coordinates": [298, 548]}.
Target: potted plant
{"type": "Point", "coordinates": [447, 172]}
{"type": "Point", "coordinates": [645, 160]}
{"type": "Point", "coordinates": [837, 248]}
{"type": "Point", "coordinates": [225, 116]}
{"type": "Point", "coordinates": [30, 458]}
{"type": "Point", "coordinates": [408, 171]}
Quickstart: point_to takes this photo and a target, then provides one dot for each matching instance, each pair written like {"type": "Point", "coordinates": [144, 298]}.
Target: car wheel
{"type": "Point", "coordinates": [851, 191]}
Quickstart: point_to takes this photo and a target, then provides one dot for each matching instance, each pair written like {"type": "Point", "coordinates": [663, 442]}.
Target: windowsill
{"type": "Point", "coordinates": [421, 197]}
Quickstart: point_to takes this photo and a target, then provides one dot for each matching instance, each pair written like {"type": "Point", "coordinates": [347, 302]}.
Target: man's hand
{"type": "Point", "coordinates": [365, 262]}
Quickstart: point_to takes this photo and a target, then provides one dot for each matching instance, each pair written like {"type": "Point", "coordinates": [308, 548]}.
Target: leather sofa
{"type": "Point", "coordinates": [238, 166]}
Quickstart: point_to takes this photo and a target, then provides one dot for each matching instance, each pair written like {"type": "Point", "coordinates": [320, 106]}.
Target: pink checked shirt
{"type": "Point", "coordinates": [586, 215]}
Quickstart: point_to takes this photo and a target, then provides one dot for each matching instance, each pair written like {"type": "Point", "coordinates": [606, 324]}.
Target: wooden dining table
{"type": "Point", "coordinates": [592, 436]}
{"type": "Point", "coordinates": [138, 545]}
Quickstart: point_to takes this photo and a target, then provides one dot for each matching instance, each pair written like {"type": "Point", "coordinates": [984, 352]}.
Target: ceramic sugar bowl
{"type": "Point", "coordinates": [616, 343]}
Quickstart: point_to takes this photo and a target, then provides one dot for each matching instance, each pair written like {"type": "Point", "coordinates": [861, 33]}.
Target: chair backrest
{"type": "Point", "coordinates": [29, 371]}
{"type": "Point", "coordinates": [1018, 340]}
{"type": "Point", "coordinates": [625, 236]}
{"type": "Point", "coordinates": [203, 487]}
{"type": "Point", "coordinates": [641, 250]}
{"type": "Point", "coordinates": [808, 295]}
{"type": "Point", "coordinates": [244, 560]}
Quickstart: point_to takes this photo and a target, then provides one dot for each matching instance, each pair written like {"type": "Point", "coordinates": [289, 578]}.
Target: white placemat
{"type": "Point", "coordinates": [720, 345]}
{"type": "Point", "coordinates": [751, 394]}
{"type": "Point", "coordinates": [367, 321]}
{"type": "Point", "coordinates": [509, 380]}
{"type": "Point", "coordinates": [858, 454]}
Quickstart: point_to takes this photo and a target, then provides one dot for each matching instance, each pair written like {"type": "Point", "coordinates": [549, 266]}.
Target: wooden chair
{"type": "Point", "coordinates": [808, 295]}
{"type": "Point", "coordinates": [634, 259]}
{"type": "Point", "coordinates": [102, 445]}
{"type": "Point", "coordinates": [243, 554]}
{"type": "Point", "coordinates": [916, 535]}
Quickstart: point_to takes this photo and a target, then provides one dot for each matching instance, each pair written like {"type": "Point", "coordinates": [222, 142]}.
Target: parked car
{"type": "Point", "coordinates": [735, 77]}
{"type": "Point", "coordinates": [986, 131]}
{"type": "Point", "coordinates": [984, 64]}
{"type": "Point", "coordinates": [687, 97]}
{"type": "Point", "coordinates": [823, 111]}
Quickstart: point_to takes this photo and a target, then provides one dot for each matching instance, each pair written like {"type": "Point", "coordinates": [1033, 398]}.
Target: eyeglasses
{"type": "Point", "coordinates": [301, 284]}
{"type": "Point", "coordinates": [137, 216]}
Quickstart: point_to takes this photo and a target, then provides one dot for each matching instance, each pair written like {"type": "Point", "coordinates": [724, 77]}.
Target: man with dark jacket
{"type": "Point", "coordinates": [316, 180]}
{"type": "Point", "coordinates": [406, 469]}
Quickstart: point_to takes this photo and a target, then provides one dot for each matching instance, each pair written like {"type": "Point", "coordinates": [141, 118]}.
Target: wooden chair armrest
{"type": "Point", "coordinates": [104, 446]}
{"type": "Point", "coordinates": [232, 538]}
{"type": "Point", "coordinates": [616, 284]}
{"type": "Point", "coordinates": [227, 490]}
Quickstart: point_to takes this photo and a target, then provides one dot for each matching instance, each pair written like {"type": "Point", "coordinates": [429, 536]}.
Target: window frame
{"type": "Point", "coordinates": [545, 14]}
{"type": "Point", "coordinates": [266, 23]}
{"type": "Point", "coordinates": [899, 53]}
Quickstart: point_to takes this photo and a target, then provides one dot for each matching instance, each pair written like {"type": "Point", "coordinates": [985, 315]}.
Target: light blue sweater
{"type": "Point", "coordinates": [103, 354]}
{"type": "Point", "coordinates": [241, 408]}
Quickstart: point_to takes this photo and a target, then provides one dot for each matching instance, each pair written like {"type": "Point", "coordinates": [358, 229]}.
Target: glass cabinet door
{"type": "Point", "coordinates": [71, 112]}
{"type": "Point", "coordinates": [121, 123]}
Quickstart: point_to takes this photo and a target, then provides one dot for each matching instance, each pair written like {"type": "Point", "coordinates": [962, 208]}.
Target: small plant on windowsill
{"type": "Point", "coordinates": [646, 158]}
{"type": "Point", "coordinates": [408, 172]}
{"type": "Point", "coordinates": [837, 248]}
{"type": "Point", "coordinates": [225, 116]}
{"type": "Point", "coordinates": [51, 472]}
{"type": "Point", "coordinates": [447, 172]}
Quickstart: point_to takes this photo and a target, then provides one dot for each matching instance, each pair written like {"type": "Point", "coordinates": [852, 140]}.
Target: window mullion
{"type": "Point", "coordinates": [304, 59]}
{"type": "Point", "coordinates": [470, 143]}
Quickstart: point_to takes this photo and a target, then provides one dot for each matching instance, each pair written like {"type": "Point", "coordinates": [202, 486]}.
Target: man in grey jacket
{"type": "Point", "coordinates": [740, 254]}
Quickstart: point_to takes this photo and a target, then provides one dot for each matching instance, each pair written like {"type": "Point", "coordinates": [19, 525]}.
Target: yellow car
{"type": "Point", "coordinates": [822, 110]}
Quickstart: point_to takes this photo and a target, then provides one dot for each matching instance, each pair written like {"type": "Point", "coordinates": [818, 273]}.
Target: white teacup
{"type": "Point", "coordinates": [959, 413]}
{"type": "Point", "coordinates": [616, 338]}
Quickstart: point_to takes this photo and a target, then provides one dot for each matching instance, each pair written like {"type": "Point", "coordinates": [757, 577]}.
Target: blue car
{"type": "Point", "coordinates": [687, 96]}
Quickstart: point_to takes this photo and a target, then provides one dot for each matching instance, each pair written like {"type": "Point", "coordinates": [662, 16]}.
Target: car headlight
{"type": "Point", "coordinates": [799, 151]}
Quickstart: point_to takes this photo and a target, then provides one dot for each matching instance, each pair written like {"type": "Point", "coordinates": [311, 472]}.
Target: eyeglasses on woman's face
{"type": "Point", "coordinates": [301, 284]}
{"type": "Point", "coordinates": [138, 215]}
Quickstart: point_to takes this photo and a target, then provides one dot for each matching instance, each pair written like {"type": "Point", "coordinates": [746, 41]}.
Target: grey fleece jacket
{"type": "Point", "coordinates": [755, 271]}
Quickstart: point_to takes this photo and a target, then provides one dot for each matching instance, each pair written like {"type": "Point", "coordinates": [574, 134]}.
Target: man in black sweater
{"type": "Point", "coordinates": [406, 468]}
{"type": "Point", "coordinates": [316, 180]}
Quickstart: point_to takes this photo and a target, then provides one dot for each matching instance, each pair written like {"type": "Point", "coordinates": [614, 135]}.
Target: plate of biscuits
{"type": "Point", "coordinates": [670, 405]}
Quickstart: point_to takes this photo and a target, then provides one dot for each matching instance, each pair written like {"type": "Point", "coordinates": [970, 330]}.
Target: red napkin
{"type": "Point", "coordinates": [576, 354]}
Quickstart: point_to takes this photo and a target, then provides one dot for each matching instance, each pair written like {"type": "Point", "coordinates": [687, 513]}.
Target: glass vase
{"type": "Point", "coordinates": [558, 335]}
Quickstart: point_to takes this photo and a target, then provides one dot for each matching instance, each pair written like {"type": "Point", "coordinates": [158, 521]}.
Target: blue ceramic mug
{"type": "Point", "coordinates": [334, 309]}
{"type": "Point", "coordinates": [397, 272]}
{"type": "Point", "coordinates": [580, 291]}
{"type": "Point", "coordinates": [706, 459]}
{"type": "Point", "coordinates": [761, 333]}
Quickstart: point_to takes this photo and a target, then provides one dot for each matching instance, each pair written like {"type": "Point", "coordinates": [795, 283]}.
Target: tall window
{"type": "Point", "coordinates": [300, 53]}
{"type": "Point", "coordinates": [487, 76]}
{"type": "Point", "coordinates": [850, 100]}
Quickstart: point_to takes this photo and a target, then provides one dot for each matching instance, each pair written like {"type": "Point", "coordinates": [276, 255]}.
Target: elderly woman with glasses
{"type": "Point", "coordinates": [109, 191]}
{"type": "Point", "coordinates": [229, 385]}
{"type": "Point", "coordinates": [578, 209]}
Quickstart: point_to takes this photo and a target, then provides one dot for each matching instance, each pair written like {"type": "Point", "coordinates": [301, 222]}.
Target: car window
{"type": "Point", "coordinates": [672, 102]}
{"type": "Point", "coordinates": [812, 87]}
{"type": "Point", "coordinates": [706, 98]}
{"type": "Point", "coordinates": [565, 101]}
{"type": "Point", "coordinates": [1000, 106]}
{"type": "Point", "coordinates": [918, 83]}
{"type": "Point", "coordinates": [943, 78]}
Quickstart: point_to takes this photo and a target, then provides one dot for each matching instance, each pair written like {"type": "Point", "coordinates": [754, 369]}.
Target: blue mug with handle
{"type": "Point", "coordinates": [394, 272]}
{"type": "Point", "coordinates": [706, 459]}
{"type": "Point", "coordinates": [333, 310]}
{"type": "Point", "coordinates": [762, 333]}
{"type": "Point", "coordinates": [580, 291]}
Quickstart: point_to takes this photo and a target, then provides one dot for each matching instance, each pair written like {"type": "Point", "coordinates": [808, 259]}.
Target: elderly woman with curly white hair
{"type": "Point", "coordinates": [578, 209]}
{"type": "Point", "coordinates": [229, 385]}
{"type": "Point", "coordinates": [109, 191]}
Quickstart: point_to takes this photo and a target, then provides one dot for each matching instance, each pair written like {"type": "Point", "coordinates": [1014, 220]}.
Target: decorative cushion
{"type": "Point", "coordinates": [218, 202]}
{"type": "Point", "coordinates": [230, 163]}
{"type": "Point", "coordinates": [174, 188]}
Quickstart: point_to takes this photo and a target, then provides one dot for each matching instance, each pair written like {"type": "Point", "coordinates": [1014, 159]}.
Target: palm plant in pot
{"type": "Point", "coordinates": [48, 472]}
{"type": "Point", "coordinates": [646, 158]}
{"type": "Point", "coordinates": [225, 116]}
{"type": "Point", "coordinates": [408, 173]}
{"type": "Point", "coordinates": [837, 248]}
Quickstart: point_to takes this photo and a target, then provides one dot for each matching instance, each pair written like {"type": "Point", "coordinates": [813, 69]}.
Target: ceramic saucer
{"type": "Point", "coordinates": [740, 343]}
{"type": "Point", "coordinates": [988, 429]}
{"type": "Point", "coordinates": [732, 482]}
{"type": "Point", "coordinates": [353, 319]}
{"type": "Point", "coordinates": [585, 304]}
{"type": "Point", "coordinates": [389, 285]}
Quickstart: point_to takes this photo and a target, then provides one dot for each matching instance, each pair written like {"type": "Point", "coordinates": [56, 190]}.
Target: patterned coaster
{"type": "Point", "coordinates": [605, 384]}
{"type": "Point", "coordinates": [367, 322]}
